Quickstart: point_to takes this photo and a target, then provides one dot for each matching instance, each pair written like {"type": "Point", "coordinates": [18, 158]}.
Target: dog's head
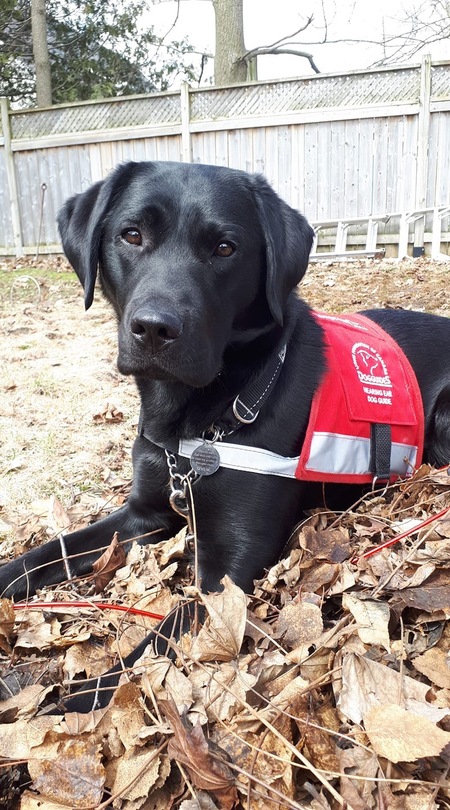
{"type": "Point", "coordinates": [193, 258]}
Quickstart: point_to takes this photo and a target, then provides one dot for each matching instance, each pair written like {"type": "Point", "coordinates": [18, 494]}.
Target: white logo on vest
{"type": "Point", "coordinates": [372, 373]}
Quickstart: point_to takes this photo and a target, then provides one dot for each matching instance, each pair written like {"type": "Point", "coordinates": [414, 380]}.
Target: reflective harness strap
{"type": "Point", "coordinates": [346, 455]}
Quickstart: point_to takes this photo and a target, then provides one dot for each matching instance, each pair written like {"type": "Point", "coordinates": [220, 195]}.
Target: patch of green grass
{"type": "Point", "coordinates": [45, 274]}
{"type": "Point", "coordinates": [45, 385]}
{"type": "Point", "coordinates": [41, 284]}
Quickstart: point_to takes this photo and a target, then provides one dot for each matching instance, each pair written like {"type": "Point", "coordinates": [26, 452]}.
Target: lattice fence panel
{"type": "Point", "coordinates": [354, 90]}
{"type": "Point", "coordinates": [440, 82]}
{"type": "Point", "coordinates": [129, 112]}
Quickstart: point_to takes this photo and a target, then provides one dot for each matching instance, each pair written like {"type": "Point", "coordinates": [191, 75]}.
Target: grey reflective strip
{"type": "Point", "coordinates": [350, 455]}
{"type": "Point", "coordinates": [330, 453]}
{"type": "Point", "coordinates": [247, 459]}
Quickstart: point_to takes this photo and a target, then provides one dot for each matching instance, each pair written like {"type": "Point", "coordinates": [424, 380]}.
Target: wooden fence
{"type": "Point", "coordinates": [367, 143]}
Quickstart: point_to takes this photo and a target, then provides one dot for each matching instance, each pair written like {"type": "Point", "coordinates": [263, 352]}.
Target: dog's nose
{"type": "Point", "coordinates": [155, 328]}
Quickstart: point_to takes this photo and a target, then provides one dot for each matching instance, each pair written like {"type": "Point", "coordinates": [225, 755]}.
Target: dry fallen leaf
{"type": "Point", "coordinates": [162, 679]}
{"type": "Point", "coordinates": [300, 623]}
{"type": "Point", "coordinates": [432, 597]}
{"type": "Point", "coordinates": [109, 413]}
{"type": "Point", "coordinates": [434, 664]}
{"type": "Point", "coordinates": [127, 714]}
{"type": "Point", "coordinates": [372, 618]}
{"type": "Point", "coordinates": [58, 518]}
{"type": "Point", "coordinates": [201, 802]}
{"type": "Point", "coordinates": [221, 636]}
{"type": "Point", "coordinates": [223, 690]}
{"type": "Point", "coordinates": [358, 793]}
{"type": "Point", "coordinates": [30, 801]}
{"type": "Point", "coordinates": [367, 684]}
{"type": "Point", "coordinates": [18, 739]}
{"type": "Point", "coordinates": [7, 619]}
{"type": "Point", "coordinates": [36, 631]}
{"type": "Point", "coordinates": [106, 566]}
{"type": "Point", "coordinates": [25, 703]}
{"type": "Point", "coordinates": [266, 755]}
{"type": "Point", "coordinates": [134, 774]}
{"type": "Point", "coordinates": [402, 736]}
{"type": "Point", "coordinates": [73, 775]}
{"type": "Point", "coordinates": [190, 747]}
{"type": "Point", "coordinates": [316, 724]}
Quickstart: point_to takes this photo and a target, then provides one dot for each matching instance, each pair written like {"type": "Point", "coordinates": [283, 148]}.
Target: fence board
{"type": "Point", "coordinates": [334, 146]}
{"type": "Point", "coordinates": [439, 160]}
{"type": "Point", "coordinates": [6, 229]}
{"type": "Point", "coordinates": [297, 168]}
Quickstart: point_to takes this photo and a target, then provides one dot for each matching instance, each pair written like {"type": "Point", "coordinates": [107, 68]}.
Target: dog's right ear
{"type": "Point", "coordinates": [80, 227]}
{"type": "Point", "coordinates": [288, 238]}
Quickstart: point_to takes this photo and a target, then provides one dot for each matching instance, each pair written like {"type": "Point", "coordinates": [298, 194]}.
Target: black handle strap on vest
{"type": "Point", "coordinates": [380, 451]}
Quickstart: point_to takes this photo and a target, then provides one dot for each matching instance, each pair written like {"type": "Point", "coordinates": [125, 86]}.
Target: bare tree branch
{"type": "Point", "coordinates": [290, 51]}
{"type": "Point", "coordinates": [172, 26]}
{"type": "Point", "coordinates": [287, 37]}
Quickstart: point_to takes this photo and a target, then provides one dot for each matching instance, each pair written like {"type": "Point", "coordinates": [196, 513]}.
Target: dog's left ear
{"type": "Point", "coordinates": [289, 240]}
{"type": "Point", "coordinates": [79, 223]}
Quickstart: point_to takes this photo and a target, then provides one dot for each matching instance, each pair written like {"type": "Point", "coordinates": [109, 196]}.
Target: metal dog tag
{"type": "Point", "coordinates": [205, 459]}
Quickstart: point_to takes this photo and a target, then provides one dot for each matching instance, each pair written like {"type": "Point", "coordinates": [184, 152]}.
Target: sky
{"type": "Point", "coordinates": [265, 21]}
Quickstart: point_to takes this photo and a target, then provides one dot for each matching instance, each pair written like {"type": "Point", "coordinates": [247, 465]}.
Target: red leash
{"type": "Point", "coordinates": [100, 605]}
{"type": "Point", "coordinates": [139, 612]}
{"type": "Point", "coordinates": [399, 537]}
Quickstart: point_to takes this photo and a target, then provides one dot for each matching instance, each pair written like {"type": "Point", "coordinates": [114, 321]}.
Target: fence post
{"type": "Point", "coordinates": [11, 177]}
{"type": "Point", "coordinates": [185, 103]}
{"type": "Point", "coordinates": [422, 152]}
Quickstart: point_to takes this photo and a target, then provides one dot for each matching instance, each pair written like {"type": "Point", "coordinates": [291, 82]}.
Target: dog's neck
{"type": "Point", "coordinates": [174, 410]}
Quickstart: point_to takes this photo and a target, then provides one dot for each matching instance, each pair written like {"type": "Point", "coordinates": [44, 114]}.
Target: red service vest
{"type": "Point", "coordinates": [369, 380]}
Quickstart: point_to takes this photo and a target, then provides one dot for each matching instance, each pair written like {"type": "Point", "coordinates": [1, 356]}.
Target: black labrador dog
{"type": "Point", "coordinates": [200, 264]}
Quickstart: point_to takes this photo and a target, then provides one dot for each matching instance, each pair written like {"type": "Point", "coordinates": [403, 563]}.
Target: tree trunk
{"type": "Point", "coordinates": [229, 65]}
{"type": "Point", "coordinates": [40, 54]}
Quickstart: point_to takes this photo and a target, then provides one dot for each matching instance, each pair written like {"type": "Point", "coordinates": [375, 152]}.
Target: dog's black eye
{"type": "Point", "coordinates": [224, 249]}
{"type": "Point", "coordinates": [132, 236]}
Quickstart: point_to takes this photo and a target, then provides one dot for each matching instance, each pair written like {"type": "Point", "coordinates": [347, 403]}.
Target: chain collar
{"type": "Point", "coordinates": [180, 488]}
{"type": "Point", "coordinates": [181, 484]}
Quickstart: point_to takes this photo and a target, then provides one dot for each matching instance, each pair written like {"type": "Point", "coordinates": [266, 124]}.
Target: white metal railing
{"type": "Point", "coordinates": [371, 225]}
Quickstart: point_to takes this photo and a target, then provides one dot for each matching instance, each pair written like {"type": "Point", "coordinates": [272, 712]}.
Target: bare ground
{"type": "Point", "coordinates": [60, 382]}
{"type": "Point", "coordinates": [335, 645]}
{"type": "Point", "coordinates": [59, 376]}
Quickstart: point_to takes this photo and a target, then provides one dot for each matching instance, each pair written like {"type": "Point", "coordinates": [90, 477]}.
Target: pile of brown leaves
{"type": "Point", "coordinates": [329, 688]}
